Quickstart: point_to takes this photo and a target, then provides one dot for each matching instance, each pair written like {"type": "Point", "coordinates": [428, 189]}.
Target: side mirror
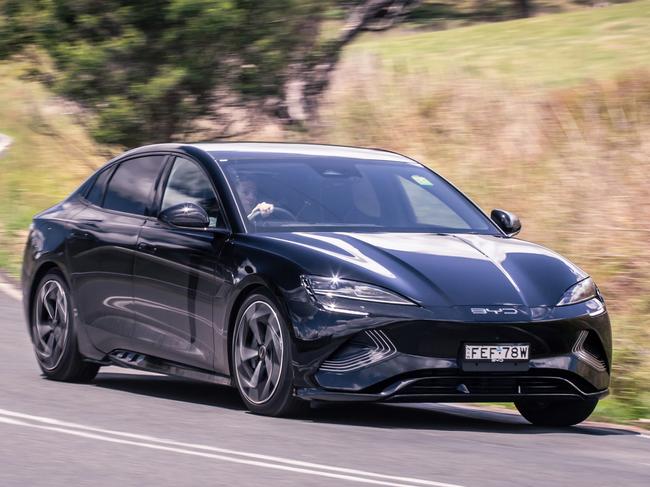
{"type": "Point", "coordinates": [185, 215]}
{"type": "Point", "coordinates": [506, 221]}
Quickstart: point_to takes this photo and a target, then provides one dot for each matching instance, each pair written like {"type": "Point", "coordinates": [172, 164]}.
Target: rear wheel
{"type": "Point", "coordinates": [261, 358]}
{"type": "Point", "coordinates": [563, 412]}
{"type": "Point", "coordinates": [53, 333]}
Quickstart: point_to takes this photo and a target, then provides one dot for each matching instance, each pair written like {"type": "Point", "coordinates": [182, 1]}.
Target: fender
{"type": "Point", "coordinates": [252, 267]}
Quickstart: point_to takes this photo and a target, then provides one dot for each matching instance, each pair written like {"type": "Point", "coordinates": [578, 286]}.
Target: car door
{"type": "Point", "coordinates": [177, 274]}
{"type": "Point", "coordinates": [102, 246]}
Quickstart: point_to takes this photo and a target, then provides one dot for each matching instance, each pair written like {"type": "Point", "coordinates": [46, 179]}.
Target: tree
{"type": "Point", "coordinates": [525, 8]}
{"type": "Point", "coordinates": [148, 69]}
{"type": "Point", "coordinates": [308, 76]}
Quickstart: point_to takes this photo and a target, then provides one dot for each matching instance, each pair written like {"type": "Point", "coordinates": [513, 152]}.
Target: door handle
{"type": "Point", "coordinates": [145, 247]}
{"type": "Point", "coordinates": [81, 235]}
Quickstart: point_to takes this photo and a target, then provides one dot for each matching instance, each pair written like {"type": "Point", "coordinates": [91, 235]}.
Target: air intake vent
{"type": "Point", "coordinates": [588, 349]}
{"type": "Point", "coordinates": [128, 358]}
{"type": "Point", "coordinates": [504, 386]}
{"type": "Point", "coordinates": [375, 347]}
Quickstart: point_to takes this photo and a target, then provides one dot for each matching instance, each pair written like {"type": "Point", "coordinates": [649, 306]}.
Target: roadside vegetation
{"type": "Point", "coordinates": [548, 117]}
{"type": "Point", "coordinates": [50, 154]}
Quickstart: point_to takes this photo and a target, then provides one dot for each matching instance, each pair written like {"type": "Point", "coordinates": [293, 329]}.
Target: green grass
{"type": "Point", "coordinates": [549, 50]}
{"type": "Point", "coordinates": [50, 155]}
{"type": "Point", "coordinates": [503, 110]}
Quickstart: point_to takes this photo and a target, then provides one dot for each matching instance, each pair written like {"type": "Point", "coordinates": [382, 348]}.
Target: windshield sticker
{"type": "Point", "coordinates": [421, 180]}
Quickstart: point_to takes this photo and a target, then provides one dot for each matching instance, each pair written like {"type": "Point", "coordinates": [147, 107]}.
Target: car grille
{"type": "Point", "coordinates": [499, 386]}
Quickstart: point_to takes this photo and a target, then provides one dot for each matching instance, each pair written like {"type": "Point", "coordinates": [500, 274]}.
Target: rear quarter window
{"type": "Point", "coordinates": [130, 190]}
{"type": "Point", "coordinates": [96, 193]}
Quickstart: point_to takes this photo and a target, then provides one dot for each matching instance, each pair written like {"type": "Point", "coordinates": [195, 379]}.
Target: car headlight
{"type": "Point", "coordinates": [582, 291]}
{"type": "Point", "coordinates": [327, 289]}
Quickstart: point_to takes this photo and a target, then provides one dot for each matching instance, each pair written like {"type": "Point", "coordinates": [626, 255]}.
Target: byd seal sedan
{"type": "Point", "coordinates": [301, 273]}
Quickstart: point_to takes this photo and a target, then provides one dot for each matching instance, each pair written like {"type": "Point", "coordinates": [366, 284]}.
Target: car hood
{"type": "Point", "coordinates": [436, 269]}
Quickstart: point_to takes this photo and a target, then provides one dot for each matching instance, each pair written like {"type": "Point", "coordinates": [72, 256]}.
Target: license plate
{"type": "Point", "coordinates": [502, 352]}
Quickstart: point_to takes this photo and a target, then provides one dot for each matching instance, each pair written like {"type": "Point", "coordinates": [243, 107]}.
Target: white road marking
{"type": "Point", "coordinates": [9, 290]}
{"type": "Point", "coordinates": [647, 437]}
{"type": "Point", "coordinates": [254, 459]}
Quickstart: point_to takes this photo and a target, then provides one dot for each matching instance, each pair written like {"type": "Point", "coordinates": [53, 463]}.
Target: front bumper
{"type": "Point", "coordinates": [420, 361]}
{"type": "Point", "coordinates": [477, 388]}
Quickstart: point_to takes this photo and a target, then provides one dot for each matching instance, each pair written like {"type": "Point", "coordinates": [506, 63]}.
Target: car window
{"type": "Point", "coordinates": [427, 208]}
{"type": "Point", "coordinates": [131, 188]}
{"type": "Point", "coordinates": [341, 194]}
{"type": "Point", "coordinates": [96, 193]}
{"type": "Point", "coordinates": [188, 183]}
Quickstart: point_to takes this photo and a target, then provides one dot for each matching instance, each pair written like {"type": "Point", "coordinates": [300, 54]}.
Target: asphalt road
{"type": "Point", "coordinates": [130, 428]}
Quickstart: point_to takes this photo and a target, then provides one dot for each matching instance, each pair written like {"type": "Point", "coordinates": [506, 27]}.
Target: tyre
{"type": "Point", "coordinates": [564, 412]}
{"type": "Point", "coordinates": [53, 332]}
{"type": "Point", "coordinates": [261, 358]}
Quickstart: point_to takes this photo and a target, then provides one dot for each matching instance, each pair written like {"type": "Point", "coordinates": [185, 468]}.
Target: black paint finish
{"type": "Point", "coordinates": [143, 285]}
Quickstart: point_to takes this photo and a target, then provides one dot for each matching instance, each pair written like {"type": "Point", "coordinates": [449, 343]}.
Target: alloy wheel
{"type": "Point", "coordinates": [258, 352]}
{"type": "Point", "coordinates": [51, 324]}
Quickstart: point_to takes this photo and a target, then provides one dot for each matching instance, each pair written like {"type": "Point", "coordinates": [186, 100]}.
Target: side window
{"type": "Point", "coordinates": [96, 193]}
{"type": "Point", "coordinates": [188, 183]}
{"type": "Point", "coordinates": [131, 187]}
{"type": "Point", "coordinates": [428, 208]}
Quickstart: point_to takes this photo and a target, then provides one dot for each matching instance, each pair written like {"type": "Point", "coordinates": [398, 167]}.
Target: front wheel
{"type": "Point", "coordinates": [261, 358]}
{"type": "Point", "coordinates": [563, 412]}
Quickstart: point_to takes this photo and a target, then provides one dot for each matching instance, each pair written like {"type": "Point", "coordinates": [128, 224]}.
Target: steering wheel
{"type": "Point", "coordinates": [277, 212]}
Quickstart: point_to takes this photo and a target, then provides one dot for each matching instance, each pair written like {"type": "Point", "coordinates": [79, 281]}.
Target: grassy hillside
{"type": "Point", "coordinates": [549, 50]}
{"type": "Point", "coordinates": [49, 156]}
{"type": "Point", "coordinates": [548, 117]}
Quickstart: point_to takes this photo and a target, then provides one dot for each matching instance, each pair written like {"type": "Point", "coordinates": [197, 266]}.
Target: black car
{"type": "Point", "coordinates": [310, 273]}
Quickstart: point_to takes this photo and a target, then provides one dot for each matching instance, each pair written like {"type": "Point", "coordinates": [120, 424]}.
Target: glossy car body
{"type": "Point", "coordinates": [160, 297]}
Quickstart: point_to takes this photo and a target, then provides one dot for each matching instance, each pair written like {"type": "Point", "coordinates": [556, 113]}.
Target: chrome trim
{"type": "Point", "coordinates": [383, 350]}
{"type": "Point", "coordinates": [585, 356]}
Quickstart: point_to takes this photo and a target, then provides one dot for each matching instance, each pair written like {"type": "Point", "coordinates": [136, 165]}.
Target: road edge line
{"type": "Point", "coordinates": [189, 449]}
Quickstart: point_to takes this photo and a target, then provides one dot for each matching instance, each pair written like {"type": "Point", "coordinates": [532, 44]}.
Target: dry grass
{"type": "Point", "coordinates": [50, 155]}
{"type": "Point", "coordinates": [574, 163]}
{"type": "Point", "coordinates": [503, 111]}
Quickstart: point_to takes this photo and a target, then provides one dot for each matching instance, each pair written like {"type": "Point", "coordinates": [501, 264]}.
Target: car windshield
{"type": "Point", "coordinates": [343, 194]}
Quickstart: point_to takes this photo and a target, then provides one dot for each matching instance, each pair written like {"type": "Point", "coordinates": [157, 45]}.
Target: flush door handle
{"type": "Point", "coordinates": [145, 247]}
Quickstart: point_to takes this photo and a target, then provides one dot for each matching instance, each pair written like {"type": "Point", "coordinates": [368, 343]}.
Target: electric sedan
{"type": "Point", "coordinates": [300, 273]}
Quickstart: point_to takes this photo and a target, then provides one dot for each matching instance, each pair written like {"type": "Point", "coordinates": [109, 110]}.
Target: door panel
{"type": "Point", "coordinates": [101, 251]}
{"type": "Point", "coordinates": [176, 279]}
{"type": "Point", "coordinates": [177, 273]}
{"type": "Point", "coordinates": [102, 248]}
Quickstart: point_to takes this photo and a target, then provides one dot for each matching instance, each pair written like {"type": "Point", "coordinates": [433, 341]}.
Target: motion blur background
{"type": "Point", "coordinates": [541, 107]}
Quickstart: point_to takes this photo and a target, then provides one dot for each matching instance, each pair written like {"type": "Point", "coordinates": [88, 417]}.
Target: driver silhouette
{"type": "Point", "coordinates": [247, 191]}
